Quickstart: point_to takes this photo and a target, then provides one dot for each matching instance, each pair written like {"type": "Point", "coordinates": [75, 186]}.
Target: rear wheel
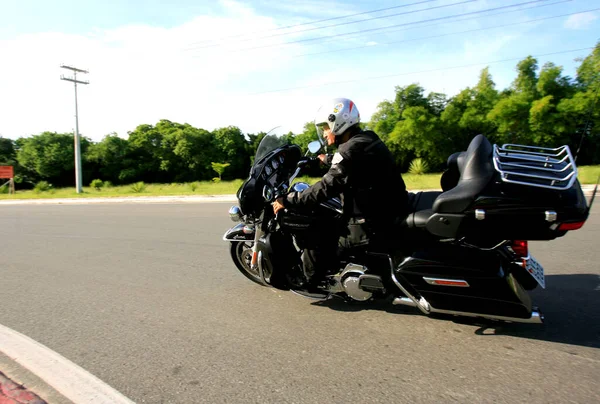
{"type": "Point", "coordinates": [241, 254]}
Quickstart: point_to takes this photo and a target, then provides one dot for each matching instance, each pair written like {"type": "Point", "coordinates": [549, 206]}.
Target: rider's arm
{"type": "Point", "coordinates": [331, 185]}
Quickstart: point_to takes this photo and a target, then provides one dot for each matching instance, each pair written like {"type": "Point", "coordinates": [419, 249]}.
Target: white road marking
{"type": "Point", "coordinates": [133, 199]}
{"type": "Point", "coordinates": [73, 382]}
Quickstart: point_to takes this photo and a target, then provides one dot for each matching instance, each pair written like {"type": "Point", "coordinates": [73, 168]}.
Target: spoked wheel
{"type": "Point", "coordinates": [241, 254]}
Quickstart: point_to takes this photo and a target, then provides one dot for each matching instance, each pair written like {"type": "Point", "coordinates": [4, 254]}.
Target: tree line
{"type": "Point", "coordinates": [541, 107]}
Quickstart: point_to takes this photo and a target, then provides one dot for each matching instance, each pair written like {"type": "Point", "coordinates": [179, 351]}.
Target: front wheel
{"type": "Point", "coordinates": [241, 254]}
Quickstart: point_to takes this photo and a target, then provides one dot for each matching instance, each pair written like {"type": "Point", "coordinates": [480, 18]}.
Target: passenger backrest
{"type": "Point", "coordinates": [476, 170]}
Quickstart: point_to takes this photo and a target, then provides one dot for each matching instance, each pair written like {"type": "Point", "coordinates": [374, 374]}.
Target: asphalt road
{"type": "Point", "coordinates": [146, 298]}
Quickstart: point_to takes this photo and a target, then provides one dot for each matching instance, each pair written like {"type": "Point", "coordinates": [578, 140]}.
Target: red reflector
{"type": "Point", "coordinates": [447, 282]}
{"type": "Point", "coordinates": [451, 283]}
{"type": "Point", "coordinates": [570, 226]}
{"type": "Point", "coordinates": [520, 248]}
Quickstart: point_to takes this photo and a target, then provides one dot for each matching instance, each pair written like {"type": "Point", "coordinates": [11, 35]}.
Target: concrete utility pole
{"type": "Point", "coordinates": [78, 179]}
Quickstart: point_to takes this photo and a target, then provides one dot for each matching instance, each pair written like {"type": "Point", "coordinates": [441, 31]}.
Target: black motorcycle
{"type": "Point", "coordinates": [462, 251]}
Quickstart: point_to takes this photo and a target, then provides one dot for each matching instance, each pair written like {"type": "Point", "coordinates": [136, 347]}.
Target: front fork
{"type": "Point", "coordinates": [254, 264]}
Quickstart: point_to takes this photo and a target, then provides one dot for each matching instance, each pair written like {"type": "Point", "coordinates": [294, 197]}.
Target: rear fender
{"type": "Point", "coordinates": [236, 233]}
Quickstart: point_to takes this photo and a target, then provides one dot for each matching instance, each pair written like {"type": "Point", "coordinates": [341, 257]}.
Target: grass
{"type": "Point", "coordinates": [587, 175]}
{"type": "Point", "coordinates": [196, 188]}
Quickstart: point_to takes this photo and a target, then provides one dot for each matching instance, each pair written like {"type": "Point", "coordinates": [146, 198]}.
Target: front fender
{"type": "Point", "coordinates": [236, 233]}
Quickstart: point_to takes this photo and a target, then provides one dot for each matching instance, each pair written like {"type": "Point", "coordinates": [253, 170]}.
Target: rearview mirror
{"type": "Point", "coordinates": [314, 146]}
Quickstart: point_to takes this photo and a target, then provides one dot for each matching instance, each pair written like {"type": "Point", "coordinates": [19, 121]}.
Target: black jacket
{"type": "Point", "coordinates": [364, 174]}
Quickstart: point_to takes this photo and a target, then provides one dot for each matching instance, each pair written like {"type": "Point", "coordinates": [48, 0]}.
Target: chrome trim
{"type": "Point", "coordinates": [543, 168]}
{"type": "Point", "coordinates": [550, 216]}
{"type": "Point", "coordinates": [235, 214]}
{"type": "Point", "coordinates": [300, 186]}
{"type": "Point", "coordinates": [353, 290]}
{"type": "Point", "coordinates": [479, 214]}
{"type": "Point", "coordinates": [267, 193]}
{"type": "Point", "coordinates": [350, 268]}
{"type": "Point", "coordinates": [432, 281]}
{"type": "Point", "coordinates": [293, 177]}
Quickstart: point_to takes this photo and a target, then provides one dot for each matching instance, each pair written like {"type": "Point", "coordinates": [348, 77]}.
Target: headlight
{"type": "Point", "coordinates": [235, 214]}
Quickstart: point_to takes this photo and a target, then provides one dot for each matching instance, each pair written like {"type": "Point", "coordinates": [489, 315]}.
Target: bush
{"type": "Point", "coordinates": [194, 186]}
{"type": "Point", "coordinates": [108, 184]}
{"type": "Point", "coordinates": [42, 186]}
{"type": "Point", "coordinates": [138, 187]}
{"type": "Point", "coordinates": [418, 167]}
{"type": "Point", "coordinates": [97, 184]}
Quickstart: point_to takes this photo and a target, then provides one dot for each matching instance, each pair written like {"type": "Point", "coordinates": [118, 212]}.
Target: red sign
{"type": "Point", "coordinates": [7, 172]}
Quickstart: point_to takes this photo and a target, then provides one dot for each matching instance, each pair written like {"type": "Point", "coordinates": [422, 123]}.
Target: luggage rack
{"type": "Point", "coordinates": [536, 166]}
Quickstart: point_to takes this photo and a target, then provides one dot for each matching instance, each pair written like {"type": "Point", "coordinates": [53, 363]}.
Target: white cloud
{"type": "Point", "coordinates": [580, 21]}
{"type": "Point", "coordinates": [141, 74]}
{"type": "Point", "coordinates": [138, 74]}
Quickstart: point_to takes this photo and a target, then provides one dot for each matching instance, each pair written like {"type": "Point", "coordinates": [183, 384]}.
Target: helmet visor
{"type": "Point", "coordinates": [321, 127]}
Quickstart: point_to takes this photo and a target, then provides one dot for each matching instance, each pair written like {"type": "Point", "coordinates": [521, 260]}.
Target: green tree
{"type": "Point", "coordinates": [49, 156]}
{"type": "Point", "coordinates": [418, 134]}
{"type": "Point", "coordinates": [526, 81]}
{"type": "Point", "coordinates": [219, 168]}
{"type": "Point", "coordinates": [511, 115]}
{"type": "Point", "coordinates": [7, 151]}
{"type": "Point", "coordinates": [231, 146]}
{"type": "Point", "coordinates": [309, 134]}
{"type": "Point", "coordinates": [410, 96]}
{"type": "Point", "coordinates": [110, 158]}
{"type": "Point", "coordinates": [384, 119]}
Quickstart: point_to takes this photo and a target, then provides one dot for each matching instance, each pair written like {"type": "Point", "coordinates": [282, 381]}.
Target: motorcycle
{"type": "Point", "coordinates": [460, 251]}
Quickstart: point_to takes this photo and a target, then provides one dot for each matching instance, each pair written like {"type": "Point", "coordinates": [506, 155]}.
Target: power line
{"type": "Point", "coordinates": [391, 26]}
{"type": "Point", "coordinates": [351, 22]}
{"type": "Point", "coordinates": [443, 35]}
{"type": "Point", "coordinates": [418, 72]}
{"type": "Point", "coordinates": [457, 20]}
{"type": "Point", "coordinates": [314, 22]}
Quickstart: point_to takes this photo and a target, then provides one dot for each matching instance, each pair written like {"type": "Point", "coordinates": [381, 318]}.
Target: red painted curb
{"type": "Point", "coordinates": [13, 393]}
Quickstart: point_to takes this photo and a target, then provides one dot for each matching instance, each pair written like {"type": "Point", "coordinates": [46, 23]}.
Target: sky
{"type": "Point", "coordinates": [262, 63]}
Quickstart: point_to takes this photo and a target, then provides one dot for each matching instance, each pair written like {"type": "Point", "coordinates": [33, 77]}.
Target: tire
{"type": "Point", "coordinates": [241, 254]}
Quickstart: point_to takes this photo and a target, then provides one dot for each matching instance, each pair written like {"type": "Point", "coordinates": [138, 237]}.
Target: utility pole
{"type": "Point", "coordinates": [78, 179]}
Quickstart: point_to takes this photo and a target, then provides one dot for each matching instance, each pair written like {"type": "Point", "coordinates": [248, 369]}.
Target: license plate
{"type": "Point", "coordinates": [536, 270]}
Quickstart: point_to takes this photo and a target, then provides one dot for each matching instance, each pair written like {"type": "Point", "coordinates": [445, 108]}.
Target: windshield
{"type": "Point", "coordinates": [272, 140]}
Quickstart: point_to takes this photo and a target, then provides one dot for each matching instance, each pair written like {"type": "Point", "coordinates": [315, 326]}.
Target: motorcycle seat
{"type": "Point", "coordinates": [420, 208]}
{"type": "Point", "coordinates": [476, 171]}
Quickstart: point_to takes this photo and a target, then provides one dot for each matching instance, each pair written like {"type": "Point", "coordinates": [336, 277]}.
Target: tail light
{"type": "Point", "coordinates": [570, 226]}
{"type": "Point", "coordinates": [520, 248]}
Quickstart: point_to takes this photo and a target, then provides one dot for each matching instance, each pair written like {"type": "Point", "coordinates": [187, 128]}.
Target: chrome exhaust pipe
{"type": "Point", "coordinates": [536, 316]}
{"type": "Point", "coordinates": [404, 301]}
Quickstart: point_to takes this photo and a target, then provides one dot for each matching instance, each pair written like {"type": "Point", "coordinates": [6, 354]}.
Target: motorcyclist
{"type": "Point", "coordinates": [363, 173]}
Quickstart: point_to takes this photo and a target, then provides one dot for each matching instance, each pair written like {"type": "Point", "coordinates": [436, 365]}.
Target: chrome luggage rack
{"type": "Point", "coordinates": [536, 166]}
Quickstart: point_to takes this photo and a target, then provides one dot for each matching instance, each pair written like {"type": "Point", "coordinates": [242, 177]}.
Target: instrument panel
{"type": "Point", "coordinates": [272, 167]}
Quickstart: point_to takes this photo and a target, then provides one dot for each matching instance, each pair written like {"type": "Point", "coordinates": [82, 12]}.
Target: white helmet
{"type": "Point", "coordinates": [339, 114]}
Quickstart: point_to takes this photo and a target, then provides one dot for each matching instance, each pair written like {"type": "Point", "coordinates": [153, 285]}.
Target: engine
{"type": "Point", "coordinates": [357, 284]}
